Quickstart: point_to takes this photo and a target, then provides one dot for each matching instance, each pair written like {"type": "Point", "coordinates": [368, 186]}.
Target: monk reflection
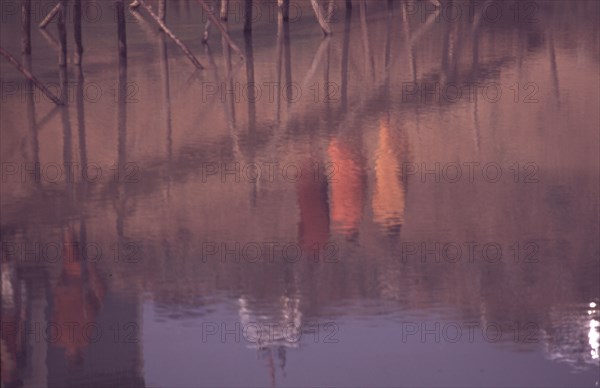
{"type": "Point", "coordinates": [311, 189]}
{"type": "Point", "coordinates": [12, 340]}
{"type": "Point", "coordinates": [78, 297]}
{"type": "Point", "coordinates": [388, 197]}
{"type": "Point", "coordinates": [348, 184]}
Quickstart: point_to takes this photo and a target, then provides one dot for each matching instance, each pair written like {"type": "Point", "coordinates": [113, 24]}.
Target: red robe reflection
{"type": "Point", "coordinates": [311, 189]}
{"type": "Point", "coordinates": [77, 301]}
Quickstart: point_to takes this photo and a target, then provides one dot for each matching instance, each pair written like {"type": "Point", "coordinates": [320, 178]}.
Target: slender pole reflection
{"type": "Point", "coordinates": [121, 30]}
{"type": "Point", "coordinates": [167, 107]}
{"type": "Point", "coordinates": [345, 55]}
{"type": "Point", "coordinates": [66, 122]}
{"type": "Point", "coordinates": [77, 31]}
{"type": "Point", "coordinates": [251, 108]}
{"type": "Point", "coordinates": [228, 72]}
{"type": "Point", "coordinates": [32, 124]}
{"type": "Point", "coordinates": [120, 195]}
{"type": "Point", "coordinates": [369, 61]}
{"type": "Point", "coordinates": [278, 64]}
{"type": "Point", "coordinates": [553, 67]}
{"type": "Point", "coordinates": [248, 17]}
{"type": "Point", "coordinates": [227, 112]}
{"type": "Point", "coordinates": [62, 34]}
{"type": "Point", "coordinates": [25, 26]}
{"type": "Point", "coordinates": [287, 61]}
{"type": "Point", "coordinates": [474, 75]}
{"type": "Point", "coordinates": [50, 39]}
{"type": "Point", "coordinates": [80, 106]}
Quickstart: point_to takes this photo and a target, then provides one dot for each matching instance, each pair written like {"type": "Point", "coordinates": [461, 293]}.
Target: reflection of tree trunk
{"type": "Point", "coordinates": [369, 64]}
{"type": "Point", "coordinates": [170, 34]}
{"type": "Point", "coordinates": [287, 60]}
{"type": "Point", "coordinates": [388, 39]}
{"type": "Point", "coordinates": [250, 81]}
{"type": "Point", "coordinates": [30, 77]}
{"type": "Point", "coordinates": [121, 150]}
{"type": "Point", "coordinates": [345, 55]}
{"type": "Point", "coordinates": [284, 59]}
{"type": "Point", "coordinates": [473, 76]}
{"type": "Point", "coordinates": [77, 31]}
{"type": "Point", "coordinates": [26, 27]}
{"type": "Point", "coordinates": [320, 18]}
{"type": "Point", "coordinates": [330, 10]}
{"type": "Point", "coordinates": [81, 120]}
{"type": "Point", "coordinates": [325, 88]}
{"type": "Point", "coordinates": [121, 30]}
{"type": "Point", "coordinates": [62, 36]}
{"type": "Point", "coordinates": [209, 10]}
{"type": "Point", "coordinates": [317, 60]}
{"type": "Point", "coordinates": [231, 101]}
{"type": "Point", "coordinates": [228, 113]}
{"type": "Point", "coordinates": [67, 146]}
{"type": "Point", "coordinates": [248, 17]}
{"type": "Point", "coordinates": [224, 9]}
{"type": "Point", "coordinates": [284, 8]}
{"type": "Point", "coordinates": [162, 10]}
{"type": "Point", "coordinates": [167, 103]}
{"type": "Point", "coordinates": [554, 68]}
{"type": "Point", "coordinates": [279, 62]}
{"type": "Point", "coordinates": [222, 28]}
{"type": "Point", "coordinates": [446, 49]}
{"type": "Point", "coordinates": [53, 12]}
{"type": "Point", "coordinates": [31, 121]}
{"type": "Point", "coordinates": [251, 110]}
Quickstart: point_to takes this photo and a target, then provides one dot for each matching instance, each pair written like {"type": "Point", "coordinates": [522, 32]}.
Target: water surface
{"type": "Point", "coordinates": [412, 201]}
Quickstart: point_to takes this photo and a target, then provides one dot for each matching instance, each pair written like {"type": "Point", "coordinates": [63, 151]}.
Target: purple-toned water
{"type": "Point", "coordinates": [412, 201]}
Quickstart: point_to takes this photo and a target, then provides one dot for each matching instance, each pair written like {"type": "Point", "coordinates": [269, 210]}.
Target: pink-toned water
{"type": "Point", "coordinates": [411, 201]}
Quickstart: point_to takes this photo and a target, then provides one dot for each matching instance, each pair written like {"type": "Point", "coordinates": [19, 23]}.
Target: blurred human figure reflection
{"type": "Point", "coordinates": [348, 183]}
{"type": "Point", "coordinates": [78, 297]}
{"type": "Point", "coordinates": [388, 197]}
{"type": "Point", "coordinates": [311, 189]}
{"type": "Point", "coordinates": [12, 343]}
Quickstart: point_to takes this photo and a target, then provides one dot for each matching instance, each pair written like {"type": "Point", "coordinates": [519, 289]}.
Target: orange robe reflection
{"type": "Point", "coordinates": [77, 301]}
{"type": "Point", "coordinates": [388, 200]}
{"type": "Point", "coordinates": [348, 184]}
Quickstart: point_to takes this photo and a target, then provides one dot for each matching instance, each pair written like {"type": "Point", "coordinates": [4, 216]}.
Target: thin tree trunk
{"type": "Point", "coordinates": [77, 31]}
{"type": "Point", "coordinates": [284, 6]}
{"type": "Point", "coordinates": [50, 16]}
{"type": "Point", "coordinates": [319, 15]}
{"type": "Point", "coordinates": [345, 55]}
{"type": "Point", "coordinates": [170, 34]}
{"type": "Point", "coordinates": [222, 29]}
{"type": "Point", "coordinates": [121, 29]}
{"type": "Point", "coordinates": [62, 35]}
{"type": "Point", "coordinates": [248, 17]}
{"type": "Point", "coordinates": [30, 77]}
{"type": "Point", "coordinates": [162, 10]}
{"type": "Point", "coordinates": [26, 27]}
{"type": "Point", "coordinates": [370, 66]}
{"type": "Point", "coordinates": [224, 9]}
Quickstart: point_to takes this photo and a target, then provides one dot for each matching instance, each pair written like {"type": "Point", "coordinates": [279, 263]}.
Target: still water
{"type": "Point", "coordinates": [412, 201]}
